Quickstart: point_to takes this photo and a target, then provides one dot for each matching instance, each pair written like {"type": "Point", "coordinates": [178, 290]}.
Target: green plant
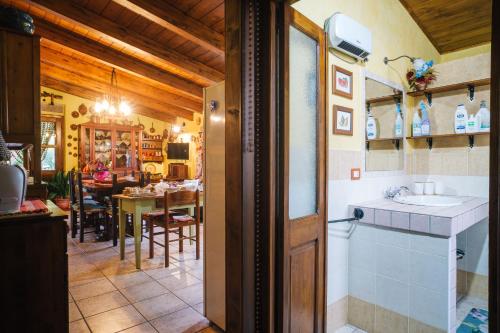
{"type": "Point", "coordinates": [58, 186]}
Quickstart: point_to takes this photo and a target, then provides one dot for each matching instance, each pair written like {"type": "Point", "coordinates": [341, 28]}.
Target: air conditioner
{"type": "Point", "coordinates": [348, 36]}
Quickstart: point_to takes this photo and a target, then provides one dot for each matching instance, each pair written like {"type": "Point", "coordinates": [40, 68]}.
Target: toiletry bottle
{"type": "Point", "coordinates": [471, 124]}
{"type": "Point", "coordinates": [426, 123]}
{"type": "Point", "coordinates": [484, 118]}
{"type": "Point", "coordinates": [460, 119]}
{"type": "Point", "coordinates": [398, 126]}
{"type": "Point", "coordinates": [416, 125]}
{"type": "Point", "coordinates": [371, 127]}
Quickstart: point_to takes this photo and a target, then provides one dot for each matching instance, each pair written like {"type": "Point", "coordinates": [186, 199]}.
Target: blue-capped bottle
{"type": "Point", "coordinates": [398, 125]}
{"type": "Point", "coordinates": [426, 123]}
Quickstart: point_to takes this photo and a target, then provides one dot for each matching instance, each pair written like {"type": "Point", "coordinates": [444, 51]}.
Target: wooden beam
{"type": "Point", "coordinates": [171, 18]}
{"type": "Point", "coordinates": [179, 63]}
{"type": "Point", "coordinates": [83, 81]}
{"type": "Point", "coordinates": [114, 58]}
{"type": "Point", "coordinates": [126, 81]}
{"type": "Point", "coordinates": [72, 89]}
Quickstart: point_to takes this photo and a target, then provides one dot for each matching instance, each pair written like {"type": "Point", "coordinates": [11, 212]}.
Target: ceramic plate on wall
{"type": "Point", "coordinates": [70, 136]}
{"type": "Point", "coordinates": [82, 109]}
{"type": "Point", "coordinates": [74, 127]}
{"type": "Point", "coordinates": [75, 114]}
{"type": "Point", "coordinates": [150, 168]}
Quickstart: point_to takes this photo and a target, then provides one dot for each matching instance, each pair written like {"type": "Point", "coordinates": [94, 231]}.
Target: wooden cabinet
{"type": "Point", "coordinates": [20, 92]}
{"type": "Point", "coordinates": [118, 145]}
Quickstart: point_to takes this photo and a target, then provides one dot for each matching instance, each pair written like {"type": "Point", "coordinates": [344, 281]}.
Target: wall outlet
{"type": "Point", "coordinates": [355, 174]}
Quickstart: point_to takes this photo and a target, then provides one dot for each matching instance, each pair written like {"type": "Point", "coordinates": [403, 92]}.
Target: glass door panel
{"type": "Point", "coordinates": [103, 145]}
{"type": "Point", "coordinates": [123, 153]}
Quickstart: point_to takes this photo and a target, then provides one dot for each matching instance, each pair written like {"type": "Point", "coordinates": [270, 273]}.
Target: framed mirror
{"type": "Point", "coordinates": [384, 125]}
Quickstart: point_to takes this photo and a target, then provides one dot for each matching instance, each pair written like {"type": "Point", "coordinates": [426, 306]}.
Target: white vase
{"type": "Point", "coordinates": [13, 186]}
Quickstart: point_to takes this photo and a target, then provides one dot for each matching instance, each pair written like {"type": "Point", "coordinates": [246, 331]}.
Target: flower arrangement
{"type": "Point", "coordinates": [98, 169]}
{"type": "Point", "coordinates": [421, 74]}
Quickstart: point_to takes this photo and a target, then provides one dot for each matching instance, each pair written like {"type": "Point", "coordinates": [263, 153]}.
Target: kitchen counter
{"type": "Point", "coordinates": [440, 221]}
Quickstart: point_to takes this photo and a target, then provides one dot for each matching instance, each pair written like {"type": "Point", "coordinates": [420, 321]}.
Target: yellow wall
{"type": "Point", "coordinates": [394, 33]}
{"type": "Point", "coordinates": [472, 51]}
{"type": "Point", "coordinates": [72, 103]}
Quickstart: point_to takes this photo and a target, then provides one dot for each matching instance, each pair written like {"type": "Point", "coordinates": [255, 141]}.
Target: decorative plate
{"type": "Point", "coordinates": [74, 127]}
{"type": "Point", "coordinates": [69, 144]}
{"type": "Point", "coordinates": [70, 136]}
{"type": "Point", "coordinates": [75, 114]}
{"type": "Point", "coordinates": [82, 109]}
{"type": "Point", "coordinates": [75, 148]}
{"type": "Point", "coordinates": [75, 139]}
{"type": "Point", "coordinates": [69, 153]}
{"type": "Point", "coordinates": [150, 168]}
{"type": "Point", "coordinates": [75, 155]}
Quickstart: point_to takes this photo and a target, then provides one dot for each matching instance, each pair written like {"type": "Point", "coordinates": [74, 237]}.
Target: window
{"type": "Point", "coordinates": [52, 150]}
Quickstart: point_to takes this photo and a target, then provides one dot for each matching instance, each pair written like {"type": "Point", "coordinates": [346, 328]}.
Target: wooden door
{"type": "Point", "coordinates": [301, 298]}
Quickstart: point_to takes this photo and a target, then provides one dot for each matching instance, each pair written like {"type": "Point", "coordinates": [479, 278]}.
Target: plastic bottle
{"type": "Point", "coordinates": [398, 126]}
{"type": "Point", "coordinates": [416, 125]}
{"type": "Point", "coordinates": [371, 127]}
{"type": "Point", "coordinates": [483, 118]}
{"type": "Point", "coordinates": [471, 124]}
{"type": "Point", "coordinates": [460, 119]}
{"type": "Point", "coordinates": [426, 123]}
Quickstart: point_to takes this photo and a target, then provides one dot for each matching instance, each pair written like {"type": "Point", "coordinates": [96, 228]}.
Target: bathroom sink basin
{"type": "Point", "coordinates": [429, 200]}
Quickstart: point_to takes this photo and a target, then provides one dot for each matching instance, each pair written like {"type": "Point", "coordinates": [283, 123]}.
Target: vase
{"type": "Point", "coordinates": [13, 184]}
{"type": "Point", "coordinates": [62, 203]}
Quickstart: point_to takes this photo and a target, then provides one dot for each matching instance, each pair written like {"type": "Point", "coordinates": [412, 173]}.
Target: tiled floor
{"type": "Point", "coordinates": [466, 304]}
{"type": "Point", "coordinates": [110, 295]}
{"type": "Point", "coordinates": [349, 329]}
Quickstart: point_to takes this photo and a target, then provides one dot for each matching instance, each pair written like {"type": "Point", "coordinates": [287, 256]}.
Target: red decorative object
{"type": "Point", "coordinates": [420, 83]}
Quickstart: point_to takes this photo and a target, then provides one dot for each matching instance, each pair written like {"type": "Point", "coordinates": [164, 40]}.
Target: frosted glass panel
{"type": "Point", "coordinates": [303, 125]}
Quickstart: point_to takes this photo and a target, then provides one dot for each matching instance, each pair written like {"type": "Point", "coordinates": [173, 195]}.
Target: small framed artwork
{"type": "Point", "coordinates": [342, 82]}
{"type": "Point", "coordinates": [342, 120]}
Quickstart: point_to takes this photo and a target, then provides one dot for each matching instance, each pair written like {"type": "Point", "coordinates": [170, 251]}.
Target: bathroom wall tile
{"type": "Point", "coordinates": [361, 314]}
{"type": "Point", "coordinates": [362, 254]}
{"type": "Point", "coordinates": [452, 278]}
{"type": "Point", "coordinates": [419, 327]}
{"type": "Point", "coordinates": [400, 220]}
{"type": "Point", "coordinates": [481, 212]}
{"type": "Point", "coordinates": [383, 217]}
{"type": "Point", "coordinates": [429, 244]}
{"type": "Point", "coordinates": [479, 161]}
{"type": "Point", "coordinates": [429, 271]}
{"type": "Point", "coordinates": [452, 299]}
{"type": "Point", "coordinates": [337, 315]}
{"type": "Point", "coordinates": [398, 238]}
{"type": "Point", "coordinates": [392, 262]}
{"type": "Point", "coordinates": [392, 295]}
{"type": "Point", "coordinates": [362, 284]}
{"type": "Point", "coordinates": [429, 307]}
{"type": "Point", "coordinates": [441, 226]}
{"type": "Point", "coordinates": [454, 162]}
{"type": "Point", "coordinates": [419, 223]}
{"type": "Point", "coordinates": [477, 248]}
{"type": "Point", "coordinates": [468, 219]}
{"type": "Point", "coordinates": [389, 321]}
{"type": "Point", "coordinates": [366, 233]}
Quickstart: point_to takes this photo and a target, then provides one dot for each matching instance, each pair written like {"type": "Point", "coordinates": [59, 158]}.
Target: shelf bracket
{"type": "Point", "coordinates": [471, 89]}
{"type": "Point", "coordinates": [428, 95]}
{"type": "Point", "coordinates": [429, 143]}
{"type": "Point", "coordinates": [471, 141]}
{"type": "Point", "coordinates": [396, 143]}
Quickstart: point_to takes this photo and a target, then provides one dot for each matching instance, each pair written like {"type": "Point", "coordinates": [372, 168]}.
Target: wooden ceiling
{"type": "Point", "coordinates": [164, 52]}
{"type": "Point", "coordinates": [452, 25]}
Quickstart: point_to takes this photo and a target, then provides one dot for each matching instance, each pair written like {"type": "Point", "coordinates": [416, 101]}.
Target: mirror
{"type": "Point", "coordinates": [384, 127]}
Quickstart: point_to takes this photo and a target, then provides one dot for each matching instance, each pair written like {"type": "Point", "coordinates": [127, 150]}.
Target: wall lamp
{"type": "Point", "coordinates": [387, 60]}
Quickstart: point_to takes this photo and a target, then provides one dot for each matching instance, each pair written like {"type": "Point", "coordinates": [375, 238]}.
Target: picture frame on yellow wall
{"type": "Point", "coordinates": [342, 82]}
{"type": "Point", "coordinates": [342, 120]}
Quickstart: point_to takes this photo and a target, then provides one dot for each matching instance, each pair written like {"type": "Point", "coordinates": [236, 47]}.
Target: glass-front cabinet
{"type": "Point", "coordinates": [117, 146]}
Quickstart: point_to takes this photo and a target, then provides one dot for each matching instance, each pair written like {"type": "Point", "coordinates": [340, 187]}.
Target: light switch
{"type": "Point", "coordinates": [355, 174]}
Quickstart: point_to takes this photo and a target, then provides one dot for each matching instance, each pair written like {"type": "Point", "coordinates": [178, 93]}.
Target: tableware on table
{"type": "Point", "coordinates": [429, 188]}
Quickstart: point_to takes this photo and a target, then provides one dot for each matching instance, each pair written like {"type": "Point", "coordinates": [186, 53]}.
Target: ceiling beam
{"type": "Point", "coordinates": [171, 18]}
{"type": "Point", "coordinates": [114, 58]}
{"type": "Point", "coordinates": [102, 73]}
{"type": "Point", "coordinates": [133, 98]}
{"type": "Point", "coordinates": [86, 93]}
{"type": "Point", "coordinates": [178, 63]}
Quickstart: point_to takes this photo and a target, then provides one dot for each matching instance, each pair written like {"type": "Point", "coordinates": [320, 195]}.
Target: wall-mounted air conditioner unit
{"type": "Point", "coordinates": [348, 36]}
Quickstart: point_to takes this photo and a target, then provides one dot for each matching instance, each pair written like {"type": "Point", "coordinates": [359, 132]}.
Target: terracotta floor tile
{"type": "Point", "coordinates": [155, 307]}
{"type": "Point", "coordinates": [197, 272]}
{"type": "Point", "coordinates": [143, 291]}
{"type": "Point", "coordinates": [77, 279]}
{"type": "Point", "coordinates": [178, 281]}
{"type": "Point", "coordinates": [95, 288]}
{"type": "Point", "coordinates": [142, 328]}
{"type": "Point", "coordinates": [118, 267]}
{"type": "Point", "coordinates": [74, 313]}
{"type": "Point", "coordinates": [115, 320]}
{"type": "Point", "coordinates": [163, 272]}
{"type": "Point", "coordinates": [199, 308]}
{"type": "Point", "coordinates": [129, 279]}
{"type": "Point", "coordinates": [192, 295]}
{"type": "Point", "coordinates": [187, 321]}
{"type": "Point", "coordinates": [102, 303]}
{"type": "Point", "coordinates": [78, 326]}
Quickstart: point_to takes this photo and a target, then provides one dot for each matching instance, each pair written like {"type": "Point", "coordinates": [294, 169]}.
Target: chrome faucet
{"type": "Point", "coordinates": [393, 192]}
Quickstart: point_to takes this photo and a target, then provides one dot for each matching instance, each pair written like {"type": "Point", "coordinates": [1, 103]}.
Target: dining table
{"type": "Point", "coordinates": [136, 205]}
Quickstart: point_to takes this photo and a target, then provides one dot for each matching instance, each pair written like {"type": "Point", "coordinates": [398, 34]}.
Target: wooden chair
{"type": "Point", "coordinates": [174, 221]}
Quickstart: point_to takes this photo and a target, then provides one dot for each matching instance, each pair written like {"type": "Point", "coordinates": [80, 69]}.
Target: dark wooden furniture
{"type": "Point", "coordinates": [111, 142]}
{"type": "Point", "coordinates": [34, 278]}
{"type": "Point", "coordinates": [174, 221]}
{"type": "Point", "coordinates": [152, 149]}
{"type": "Point", "coordinates": [20, 94]}
{"type": "Point", "coordinates": [177, 171]}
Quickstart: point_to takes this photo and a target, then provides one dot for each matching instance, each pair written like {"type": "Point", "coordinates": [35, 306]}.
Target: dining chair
{"type": "Point", "coordinates": [175, 222]}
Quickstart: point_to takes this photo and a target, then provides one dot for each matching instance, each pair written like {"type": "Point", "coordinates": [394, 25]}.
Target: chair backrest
{"type": "Point", "coordinates": [148, 178]}
{"type": "Point", "coordinates": [80, 191]}
{"type": "Point", "coordinates": [141, 179]}
{"type": "Point", "coordinates": [115, 189]}
{"type": "Point", "coordinates": [180, 198]}
{"type": "Point", "coordinates": [72, 194]}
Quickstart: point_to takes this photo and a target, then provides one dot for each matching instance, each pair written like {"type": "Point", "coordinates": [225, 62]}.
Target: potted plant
{"type": "Point", "coordinates": [58, 188]}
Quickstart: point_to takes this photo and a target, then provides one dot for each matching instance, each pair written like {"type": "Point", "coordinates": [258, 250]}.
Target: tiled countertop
{"type": "Point", "coordinates": [441, 221]}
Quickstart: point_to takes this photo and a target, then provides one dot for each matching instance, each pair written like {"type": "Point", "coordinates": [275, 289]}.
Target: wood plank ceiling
{"type": "Point", "coordinates": [164, 52]}
{"type": "Point", "coordinates": [452, 25]}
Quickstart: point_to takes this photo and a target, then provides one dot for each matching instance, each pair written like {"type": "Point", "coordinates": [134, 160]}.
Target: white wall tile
{"type": "Point", "coordinates": [362, 254]}
{"type": "Point", "coordinates": [398, 238]}
{"type": "Point", "coordinates": [362, 284]}
{"type": "Point", "coordinates": [429, 244]}
{"type": "Point", "coordinates": [441, 226]}
{"type": "Point", "coordinates": [419, 223]}
{"type": "Point", "coordinates": [400, 220]}
{"type": "Point", "coordinates": [429, 307]}
{"type": "Point", "coordinates": [429, 271]}
{"type": "Point", "coordinates": [383, 217]}
{"type": "Point", "coordinates": [477, 248]}
{"type": "Point", "coordinates": [392, 262]}
{"type": "Point", "coordinates": [392, 295]}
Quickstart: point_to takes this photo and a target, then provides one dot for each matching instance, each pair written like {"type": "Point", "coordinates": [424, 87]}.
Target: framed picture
{"type": "Point", "coordinates": [342, 120]}
{"type": "Point", "coordinates": [342, 82]}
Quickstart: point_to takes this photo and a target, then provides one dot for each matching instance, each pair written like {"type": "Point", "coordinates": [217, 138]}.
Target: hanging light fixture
{"type": "Point", "coordinates": [112, 104]}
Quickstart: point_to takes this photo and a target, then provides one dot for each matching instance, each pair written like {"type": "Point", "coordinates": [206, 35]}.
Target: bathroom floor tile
{"type": "Point", "coordinates": [115, 320]}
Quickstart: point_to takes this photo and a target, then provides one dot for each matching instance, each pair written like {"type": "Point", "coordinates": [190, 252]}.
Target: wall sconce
{"type": "Point", "coordinates": [387, 60]}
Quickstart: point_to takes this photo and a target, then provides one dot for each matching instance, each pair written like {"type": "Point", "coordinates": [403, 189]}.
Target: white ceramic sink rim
{"type": "Point", "coordinates": [429, 200]}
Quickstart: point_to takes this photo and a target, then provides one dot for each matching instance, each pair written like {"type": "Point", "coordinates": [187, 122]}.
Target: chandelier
{"type": "Point", "coordinates": [112, 104]}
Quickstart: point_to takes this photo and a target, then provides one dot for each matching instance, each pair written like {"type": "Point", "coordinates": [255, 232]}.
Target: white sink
{"type": "Point", "coordinates": [429, 200]}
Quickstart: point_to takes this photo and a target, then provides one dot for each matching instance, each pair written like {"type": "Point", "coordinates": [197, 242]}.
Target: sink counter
{"type": "Point", "coordinates": [440, 221]}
